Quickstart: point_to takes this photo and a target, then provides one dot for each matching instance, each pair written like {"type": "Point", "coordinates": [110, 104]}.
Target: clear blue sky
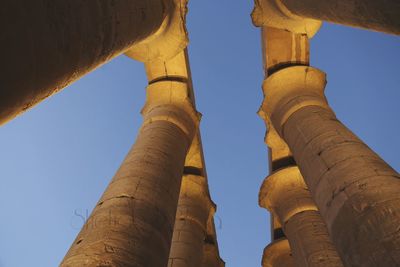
{"type": "Point", "coordinates": [56, 159]}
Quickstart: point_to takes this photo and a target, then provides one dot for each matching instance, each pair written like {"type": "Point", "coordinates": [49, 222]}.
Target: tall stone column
{"type": "Point", "coordinates": [278, 254]}
{"type": "Point", "coordinates": [285, 194]}
{"type": "Point", "coordinates": [132, 224]}
{"type": "Point", "coordinates": [301, 16]}
{"type": "Point", "coordinates": [190, 229]}
{"type": "Point", "coordinates": [49, 44]}
{"type": "Point", "coordinates": [194, 220]}
{"type": "Point", "coordinates": [357, 192]}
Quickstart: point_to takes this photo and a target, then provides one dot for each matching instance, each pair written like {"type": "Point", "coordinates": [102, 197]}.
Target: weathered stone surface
{"type": "Point", "coordinates": [273, 13]}
{"type": "Point", "coordinates": [310, 241]}
{"type": "Point", "coordinates": [194, 227]}
{"type": "Point", "coordinates": [383, 16]}
{"type": "Point", "coordinates": [132, 224]}
{"type": "Point", "coordinates": [355, 190]}
{"type": "Point", "coordinates": [52, 43]}
{"type": "Point", "coordinates": [286, 195]}
{"type": "Point", "coordinates": [283, 48]}
{"type": "Point", "coordinates": [169, 40]}
{"type": "Point", "coordinates": [305, 17]}
{"type": "Point", "coordinates": [190, 229]}
{"type": "Point", "coordinates": [284, 192]}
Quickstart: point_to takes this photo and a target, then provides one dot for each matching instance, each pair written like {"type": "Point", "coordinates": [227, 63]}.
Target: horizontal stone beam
{"type": "Point", "coordinates": [382, 16]}
{"type": "Point", "coordinates": [305, 16]}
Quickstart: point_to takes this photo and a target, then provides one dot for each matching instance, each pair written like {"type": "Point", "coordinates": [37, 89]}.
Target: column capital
{"type": "Point", "coordinates": [285, 194]}
{"type": "Point", "coordinates": [273, 13]}
{"type": "Point", "coordinates": [278, 254]}
{"type": "Point", "coordinates": [170, 39]}
{"type": "Point", "coordinates": [170, 101]}
{"type": "Point", "coordinates": [272, 138]}
{"type": "Point", "coordinates": [290, 89]}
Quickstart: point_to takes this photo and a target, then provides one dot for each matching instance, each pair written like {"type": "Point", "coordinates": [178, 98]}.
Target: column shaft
{"type": "Point", "coordinates": [356, 192]}
{"type": "Point", "coordinates": [132, 224]}
{"type": "Point", "coordinates": [49, 44]}
{"type": "Point", "coordinates": [375, 15]}
{"type": "Point", "coordinates": [191, 223]}
{"type": "Point", "coordinates": [187, 244]}
{"type": "Point", "coordinates": [310, 242]}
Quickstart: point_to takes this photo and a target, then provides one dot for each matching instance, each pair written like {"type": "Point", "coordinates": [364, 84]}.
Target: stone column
{"type": "Point", "coordinates": [285, 194]}
{"type": "Point", "coordinates": [310, 241]}
{"type": "Point", "coordinates": [357, 192]}
{"type": "Point", "coordinates": [278, 254]}
{"type": "Point", "coordinates": [132, 224]}
{"type": "Point", "coordinates": [49, 44]}
{"type": "Point", "coordinates": [191, 223]}
{"type": "Point", "coordinates": [195, 210]}
{"type": "Point", "coordinates": [296, 16]}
